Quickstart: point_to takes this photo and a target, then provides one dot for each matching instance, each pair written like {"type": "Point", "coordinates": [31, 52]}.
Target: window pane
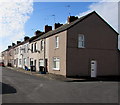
{"type": "Point", "coordinates": [56, 41]}
{"type": "Point", "coordinates": [56, 63]}
{"type": "Point", "coordinates": [80, 41]}
{"type": "Point", "coordinates": [41, 62]}
{"type": "Point", "coordinates": [42, 45]}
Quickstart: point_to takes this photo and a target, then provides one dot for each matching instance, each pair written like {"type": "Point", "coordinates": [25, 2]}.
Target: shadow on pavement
{"type": "Point", "coordinates": [88, 79]}
{"type": "Point", "coordinates": [7, 89]}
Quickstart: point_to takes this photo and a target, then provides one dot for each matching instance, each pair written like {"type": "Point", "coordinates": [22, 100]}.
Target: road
{"type": "Point", "coordinates": [23, 88]}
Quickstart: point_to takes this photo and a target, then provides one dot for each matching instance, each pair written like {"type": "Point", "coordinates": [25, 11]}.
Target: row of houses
{"type": "Point", "coordinates": [86, 46]}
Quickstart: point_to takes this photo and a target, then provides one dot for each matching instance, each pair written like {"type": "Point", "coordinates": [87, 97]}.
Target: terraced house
{"type": "Point", "coordinates": [21, 53]}
{"type": "Point", "coordinates": [86, 46]}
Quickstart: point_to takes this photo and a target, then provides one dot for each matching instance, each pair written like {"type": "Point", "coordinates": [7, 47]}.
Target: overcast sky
{"type": "Point", "coordinates": [18, 19]}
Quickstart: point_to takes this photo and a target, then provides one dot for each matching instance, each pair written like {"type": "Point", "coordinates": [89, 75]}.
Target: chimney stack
{"type": "Point", "coordinates": [47, 28]}
{"type": "Point", "coordinates": [57, 25]}
{"type": "Point", "coordinates": [18, 42]}
{"type": "Point", "coordinates": [9, 47]}
{"type": "Point", "coordinates": [13, 44]}
{"type": "Point", "coordinates": [72, 18]}
{"type": "Point", "coordinates": [26, 38]}
{"type": "Point", "coordinates": [38, 32]}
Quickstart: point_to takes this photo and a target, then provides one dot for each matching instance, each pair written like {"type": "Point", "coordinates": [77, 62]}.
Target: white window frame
{"type": "Point", "coordinates": [56, 41]}
{"type": "Point", "coordinates": [81, 41]}
{"type": "Point", "coordinates": [56, 59]}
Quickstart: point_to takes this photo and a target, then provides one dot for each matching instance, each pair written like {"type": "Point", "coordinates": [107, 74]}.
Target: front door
{"type": "Point", "coordinates": [46, 65]}
{"type": "Point", "coordinates": [35, 64]}
{"type": "Point", "coordinates": [93, 68]}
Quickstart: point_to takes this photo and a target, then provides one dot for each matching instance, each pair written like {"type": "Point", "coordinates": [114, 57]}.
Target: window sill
{"type": "Point", "coordinates": [56, 48]}
{"type": "Point", "coordinates": [81, 47]}
{"type": "Point", "coordinates": [56, 69]}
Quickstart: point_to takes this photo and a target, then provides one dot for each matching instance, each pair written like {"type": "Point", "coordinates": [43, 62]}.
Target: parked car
{"type": "Point", "coordinates": [2, 64]}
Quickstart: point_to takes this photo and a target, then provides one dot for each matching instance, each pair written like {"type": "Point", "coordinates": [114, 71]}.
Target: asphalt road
{"type": "Point", "coordinates": [23, 88]}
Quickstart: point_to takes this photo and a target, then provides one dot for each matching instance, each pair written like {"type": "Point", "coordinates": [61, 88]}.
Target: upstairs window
{"type": "Point", "coordinates": [32, 48]}
{"type": "Point", "coordinates": [42, 45]}
{"type": "Point", "coordinates": [24, 48]}
{"type": "Point", "coordinates": [27, 48]}
{"type": "Point", "coordinates": [20, 50]}
{"type": "Point", "coordinates": [81, 41]}
{"type": "Point", "coordinates": [56, 42]}
{"type": "Point", "coordinates": [35, 47]}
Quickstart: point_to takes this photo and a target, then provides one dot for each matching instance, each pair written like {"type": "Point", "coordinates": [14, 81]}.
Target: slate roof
{"type": "Point", "coordinates": [67, 26]}
{"type": "Point", "coordinates": [61, 29]}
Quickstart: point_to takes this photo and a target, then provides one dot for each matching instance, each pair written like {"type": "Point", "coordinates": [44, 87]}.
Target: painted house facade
{"type": "Point", "coordinates": [86, 46]}
{"type": "Point", "coordinates": [21, 53]}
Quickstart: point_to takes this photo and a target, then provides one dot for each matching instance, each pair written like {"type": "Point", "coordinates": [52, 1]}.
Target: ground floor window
{"type": "Point", "coordinates": [25, 61]}
{"type": "Point", "coordinates": [20, 61]}
{"type": "Point", "coordinates": [14, 61]}
{"type": "Point", "coordinates": [56, 63]}
{"type": "Point", "coordinates": [31, 61]}
{"type": "Point", "coordinates": [41, 62]}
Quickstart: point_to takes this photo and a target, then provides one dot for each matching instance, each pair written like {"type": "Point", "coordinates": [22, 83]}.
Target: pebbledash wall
{"type": "Point", "coordinates": [100, 44]}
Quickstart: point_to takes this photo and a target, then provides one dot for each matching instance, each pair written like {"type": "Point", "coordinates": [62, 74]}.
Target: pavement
{"type": "Point", "coordinates": [67, 79]}
{"type": "Point", "coordinates": [21, 87]}
{"type": "Point", "coordinates": [38, 74]}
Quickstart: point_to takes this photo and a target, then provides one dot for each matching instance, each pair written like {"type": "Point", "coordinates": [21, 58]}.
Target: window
{"type": "Point", "coordinates": [56, 63]}
{"type": "Point", "coordinates": [56, 42]}
{"type": "Point", "coordinates": [32, 48]}
{"type": "Point", "coordinates": [41, 62]}
{"type": "Point", "coordinates": [31, 61]}
{"type": "Point", "coordinates": [35, 47]}
{"type": "Point", "coordinates": [27, 48]}
{"type": "Point", "coordinates": [20, 62]}
{"type": "Point", "coordinates": [15, 51]}
{"type": "Point", "coordinates": [81, 41]}
{"type": "Point", "coordinates": [14, 61]}
{"type": "Point", "coordinates": [25, 62]}
{"type": "Point", "coordinates": [20, 50]}
{"type": "Point", "coordinates": [42, 45]}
